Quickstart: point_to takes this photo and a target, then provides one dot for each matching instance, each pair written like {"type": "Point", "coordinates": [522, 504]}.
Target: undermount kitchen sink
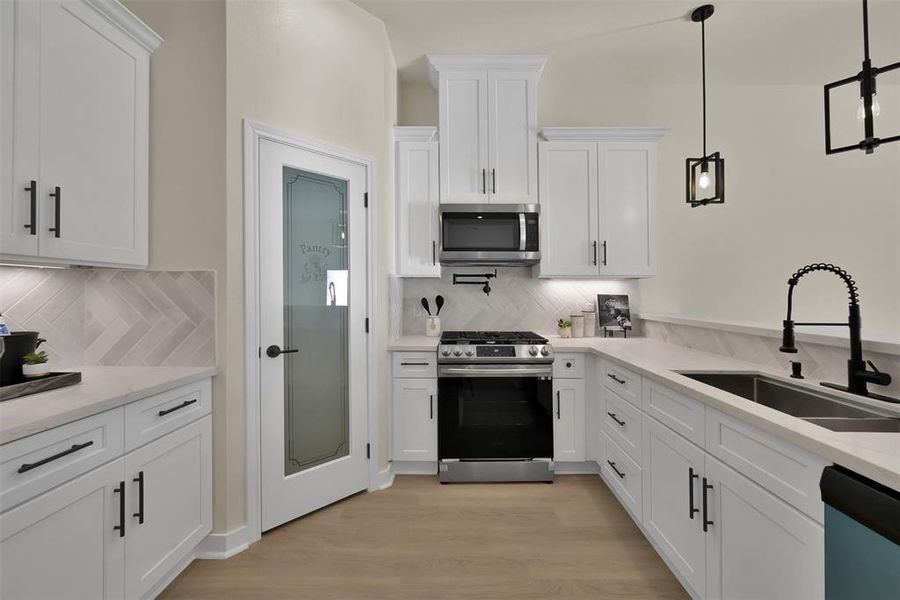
{"type": "Point", "coordinates": [812, 406]}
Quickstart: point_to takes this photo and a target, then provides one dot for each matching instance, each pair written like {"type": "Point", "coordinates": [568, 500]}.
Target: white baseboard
{"type": "Point", "coordinates": [218, 546]}
{"type": "Point", "coordinates": [383, 480]}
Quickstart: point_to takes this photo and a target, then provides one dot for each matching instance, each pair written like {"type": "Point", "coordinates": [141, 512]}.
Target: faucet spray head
{"type": "Point", "coordinates": [787, 338]}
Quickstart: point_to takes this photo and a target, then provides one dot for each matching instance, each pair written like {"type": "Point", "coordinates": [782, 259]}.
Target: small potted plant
{"type": "Point", "coordinates": [565, 328]}
{"type": "Point", "coordinates": [34, 364]}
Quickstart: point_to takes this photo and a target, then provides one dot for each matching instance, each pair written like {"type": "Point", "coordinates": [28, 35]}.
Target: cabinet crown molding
{"type": "Point", "coordinates": [450, 62]}
{"type": "Point", "coordinates": [415, 134]}
{"type": "Point", "coordinates": [603, 134]}
{"type": "Point", "coordinates": [128, 22]}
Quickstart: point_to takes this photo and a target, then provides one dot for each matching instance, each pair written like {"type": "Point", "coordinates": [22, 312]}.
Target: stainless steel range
{"type": "Point", "coordinates": [495, 406]}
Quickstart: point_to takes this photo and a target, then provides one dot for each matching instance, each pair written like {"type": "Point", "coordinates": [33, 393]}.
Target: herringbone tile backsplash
{"type": "Point", "coordinates": [112, 317]}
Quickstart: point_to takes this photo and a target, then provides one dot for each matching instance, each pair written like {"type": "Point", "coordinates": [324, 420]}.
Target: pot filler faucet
{"type": "Point", "coordinates": [858, 376]}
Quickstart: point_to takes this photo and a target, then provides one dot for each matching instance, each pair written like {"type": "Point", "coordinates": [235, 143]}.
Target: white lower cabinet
{"type": "Point", "coordinates": [415, 420]}
{"type": "Point", "coordinates": [758, 546]}
{"type": "Point", "coordinates": [672, 498]}
{"type": "Point", "coordinates": [568, 420]}
{"type": "Point", "coordinates": [170, 504]}
{"type": "Point", "coordinates": [62, 544]}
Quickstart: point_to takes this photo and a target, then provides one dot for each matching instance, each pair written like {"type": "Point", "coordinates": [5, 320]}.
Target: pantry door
{"type": "Point", "coordinates": [313, 360]}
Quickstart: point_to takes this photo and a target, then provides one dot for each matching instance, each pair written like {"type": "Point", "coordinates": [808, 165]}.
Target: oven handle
{"type": "Point", "coordinates": [495, 371]}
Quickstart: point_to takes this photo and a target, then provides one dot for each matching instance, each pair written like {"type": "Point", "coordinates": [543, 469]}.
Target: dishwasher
{"type": "Point", "coordinates": [862, 537]}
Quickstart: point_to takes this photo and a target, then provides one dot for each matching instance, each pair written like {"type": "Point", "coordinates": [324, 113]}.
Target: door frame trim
{"type": "Point", "coordinates": [253, 133]}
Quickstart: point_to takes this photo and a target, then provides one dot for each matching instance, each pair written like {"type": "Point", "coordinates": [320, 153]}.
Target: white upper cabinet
{"type": "Point", "coordinates": [418, 233]}
{"type": "Point", "coordinates": [488, 127]}
{"type": "Point", "coordinates": [598, 202]}
{"type": "Point", "coordinates": [80, 79]}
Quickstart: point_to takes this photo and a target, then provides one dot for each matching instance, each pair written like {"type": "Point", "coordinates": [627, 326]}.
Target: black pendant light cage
{"type": "Point", "coordinates": [866, 81]}
{"type": "Point", "coordinates": [710, 164]}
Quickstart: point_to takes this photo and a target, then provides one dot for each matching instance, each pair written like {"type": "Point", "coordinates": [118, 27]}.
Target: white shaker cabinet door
{"type": "Point", "coordinates": [63, 545]}
{"type": "Point", "coordinates": [94, 113]}
{"type": "Point", "coordinates": [418, 233]}
{"type": "Point", "coordinates": [415, 420]}
{"type": "Point", "coordinates": [569, 219]}
{"type": "Point", "coordinates": [627, 173]}
{"type": "Point", "coordinates": [169, 484]}
{"type": "Point", "coordinates": [512, 140]}
{"type": "Point", "coordinates": [758, 546]}
{"type": "Point", "coordinates": [463, 117]}
{"type": "Point", "coordinates": [672, 499]}
{"type": "Point", "coordinates": [568, 420]}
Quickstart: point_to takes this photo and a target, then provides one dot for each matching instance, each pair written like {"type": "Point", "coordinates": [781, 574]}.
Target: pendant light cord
{"type": "Point", "coordinates": [703, 59]}
{"type": "Point", "coordinates": [866, 29]}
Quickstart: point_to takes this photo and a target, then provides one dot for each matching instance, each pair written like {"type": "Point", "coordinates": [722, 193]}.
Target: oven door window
{"type": "Point", "coordinates": [495, 418]}
{"type": "Point", "coordinates": [500, 232]}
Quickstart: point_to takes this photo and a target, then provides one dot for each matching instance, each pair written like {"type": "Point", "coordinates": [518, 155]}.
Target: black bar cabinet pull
{"type": "Point", "coordinates": [691, 477]}
{"type": "Point", "coordinates": [163, 413]}
{"type": "Point", "coordinates": [75, 448]}
{"type": "Point", "coordinates": [120, 490]}
{"type": "Point", "coordinates": [32, 226]}
{"type": "Point", "coordinates": [56, 194]}
{"type": "Point", "coordinates": [594, 245]}
{"type": "Point", "coordinates": [557, 405]}
{"type": "Point", "coordinates": [614, 418]}
{"type": "Point", "coordinates": [493, 181]}
{"type": "Point", "coordinates": [433, 252]}
{"type": "Point", "coordinates": [484, 181]}
{"type": "Point", "coordinates": [612, 466]}
{"type": "Point", "coordinates": [431, 405]}
{"type": "Point", "coordinates": [706, 521]}
{"type": "Point", "coordinates": [616, 379]}
{"type": "Point", "coordinates": [604, 253]}
{"type": "Point", "coordinates": [415, 364]}
{"type": "Point", "coordinates": [140, 513]}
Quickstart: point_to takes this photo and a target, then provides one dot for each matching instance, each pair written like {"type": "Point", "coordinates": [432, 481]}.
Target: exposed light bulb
{"type": "Point", "coordinates": [861, 109]}
{"type": "Point", "coordinates": [703, 181]}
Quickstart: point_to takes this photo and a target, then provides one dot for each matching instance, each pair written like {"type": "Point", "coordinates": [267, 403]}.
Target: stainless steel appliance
{"type": "Point", "coordinates": [495, 407]}
{"type": "Point", "coordinates": [490, 234]}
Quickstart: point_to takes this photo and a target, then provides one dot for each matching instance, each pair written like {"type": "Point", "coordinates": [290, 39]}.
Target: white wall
{"type": "Point", "coordinates": [787, 204]}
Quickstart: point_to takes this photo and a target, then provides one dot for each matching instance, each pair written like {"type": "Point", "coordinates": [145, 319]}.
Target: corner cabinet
{"type": "Point", "coordinates": [418, 224]}
{"type": "Point", "coordinates": [598, 202]}
{"type": "Point", "coordinates": [74, 141]}
{"type": "Point", "coordinates": [488, 126]}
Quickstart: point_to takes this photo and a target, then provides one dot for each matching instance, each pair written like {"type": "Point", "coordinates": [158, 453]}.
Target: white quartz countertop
{"type": "Point", "coordinates": [873, 455]}
{"type": "Point", "coordinates": [101, 388]}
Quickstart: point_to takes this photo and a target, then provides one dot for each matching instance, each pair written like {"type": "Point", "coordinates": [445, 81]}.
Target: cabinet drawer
{"type": "Point", "coordinates": [622, 422]}
{"type": "Point", "coordinates": [622, 381]}
{"type": "Point", "coordinates": [569, 366]}
{"type": "Point", "coordinates": [624, 477]}
{"type": "Point", "coordinates": [153, 417]}
{"type": "Point", "coordinates": [415, 364]}
{"type": "Point", "coordinates": [682, 414]}
{"type": "Point", "coordinates": [784, 469]}
{"type": "Point", "coordinates": [33, 465]}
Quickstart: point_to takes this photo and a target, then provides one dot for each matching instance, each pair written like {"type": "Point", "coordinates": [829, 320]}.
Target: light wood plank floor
{"type": "Point", "coordinates": [425, 541]}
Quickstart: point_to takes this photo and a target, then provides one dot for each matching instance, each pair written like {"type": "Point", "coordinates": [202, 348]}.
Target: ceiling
{"type": "Point", "coordinates": [650, 41]}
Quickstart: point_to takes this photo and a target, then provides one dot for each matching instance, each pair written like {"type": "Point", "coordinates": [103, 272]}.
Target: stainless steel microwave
{"type": "Point", "coordinates": [504, 235]}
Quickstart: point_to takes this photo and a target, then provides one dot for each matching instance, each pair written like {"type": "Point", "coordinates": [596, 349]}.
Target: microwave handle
{"type": "Point", "coordinates": [522, 233]}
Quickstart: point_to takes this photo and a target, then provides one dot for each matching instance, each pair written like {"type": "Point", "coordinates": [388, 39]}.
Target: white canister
{"type": "Point", "coordinates": [590, 319]}
{"type": "Point", "coordinates": [433, 326]}
{"type": "Point", "coordinates": [577, 325]}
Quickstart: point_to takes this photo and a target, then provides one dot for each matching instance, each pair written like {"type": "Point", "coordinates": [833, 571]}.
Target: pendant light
{"type": "Point", "coordinates": [704, 175]}
{"type": "Point", "coordinates": [869, 107]}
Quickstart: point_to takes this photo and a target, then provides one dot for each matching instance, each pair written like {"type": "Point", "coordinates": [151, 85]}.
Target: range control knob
{"type": "Point", "coordinates": [533, 351]}
{"type": "Point", "coordinates": [469, 352]}
{"type": "Point", "coordinates": [545, 351]}
{"type": "Point", "coordinates": [445, 351]}
{"type": "Point", "coordinates": [457, 353]}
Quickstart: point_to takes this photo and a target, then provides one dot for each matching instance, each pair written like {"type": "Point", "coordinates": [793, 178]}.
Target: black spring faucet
{"type": "Point", "coordinates": [858, 376]}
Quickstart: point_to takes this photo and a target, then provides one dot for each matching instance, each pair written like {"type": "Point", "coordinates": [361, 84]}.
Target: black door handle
{"type": "Point", "coordinates": [558, 402]}
{"type": "Point", "coordinates": [163, 413]}
{"type": "Point", "coordinates": [616, 379]}
{"type": "Point", "coordinates": [33, 225]}
{"type": "Point", "coordinates": [431, 405]}
{"type": "Point", "coordinates": [56, 194]}
{"type": "Point", "coordinates": [613, 417]}
{"type": "Point", "coordinates": [594, 244]}
{"type": "Point", "coordinates": [433, 252]}
{"type": "Point", "coordinates": [493, 181]}
{"type": "Point", "coordinates": [691, 477]}
{"type": "Point", "coordinates": [120, 490]}
{"type": "Point", "coordinates": [484, 181]}
{"type": "Point", "coordinates": [604, 253]}
{"type": "Point", "coordinates": [274, 351]}
{"type": "Point", "coordinates": [75, 448]}
{"type": "Point", "coordinates": [612, 466]}
{"type": "Point", "coordinates": [140, 513]}
{"type": "Point", "coordinates": [706, 521]}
